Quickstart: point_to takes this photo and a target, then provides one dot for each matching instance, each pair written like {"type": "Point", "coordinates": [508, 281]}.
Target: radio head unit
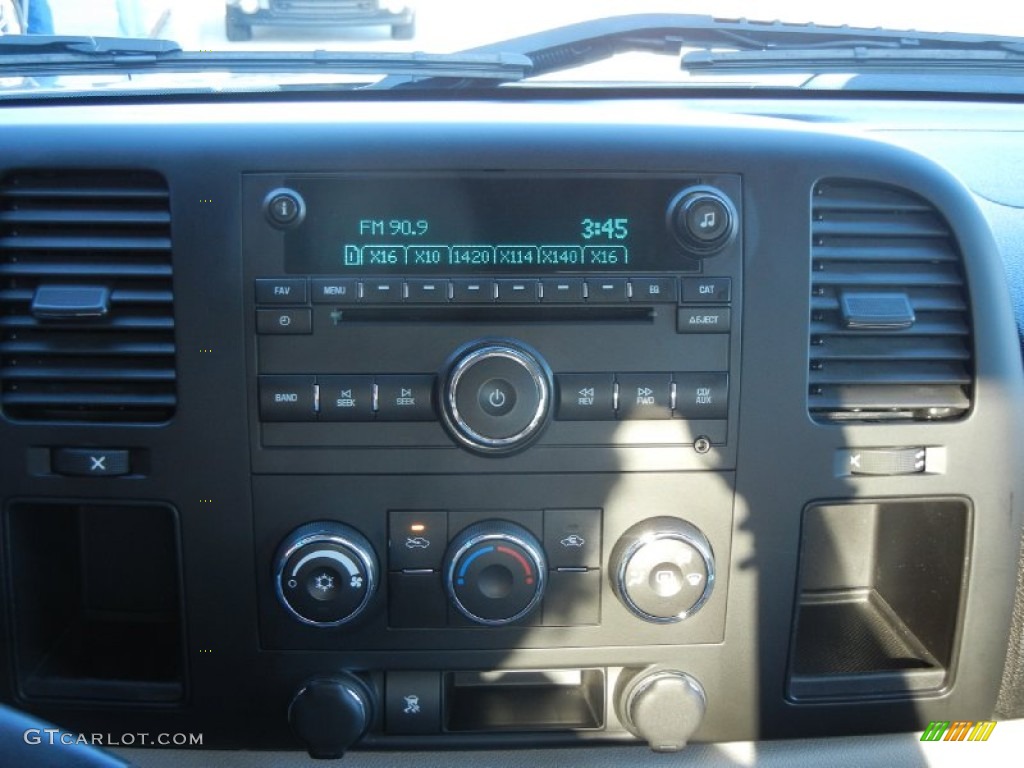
{"type": "Point", "coordinates": [490, 312]}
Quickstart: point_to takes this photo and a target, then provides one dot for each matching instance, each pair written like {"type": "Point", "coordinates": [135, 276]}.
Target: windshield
{"type": "Point", "coordinates": [266, 28]}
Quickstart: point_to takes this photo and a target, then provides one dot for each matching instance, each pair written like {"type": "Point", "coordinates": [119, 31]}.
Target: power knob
{"type": "Point", "coordinates": [496, 396]}
{"type": "Point", "coordinates": [495, 572]}
{"type": "Point", "coordinates": [325, 574]}
{"type": "Point", "coordinates": [660, 705]}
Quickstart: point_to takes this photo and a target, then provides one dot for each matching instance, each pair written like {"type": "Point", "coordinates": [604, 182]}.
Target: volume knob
{"type": "Point", "coordinates": [496, 396]}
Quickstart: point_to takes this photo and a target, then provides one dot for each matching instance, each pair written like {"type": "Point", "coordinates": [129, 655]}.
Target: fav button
{"type": "Point", "coordinates": [281, 290]}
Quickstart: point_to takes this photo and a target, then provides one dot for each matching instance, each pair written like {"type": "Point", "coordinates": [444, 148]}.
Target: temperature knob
{"type": "Point", "coordinates": [664, 569]}
{"type": "Point", "coordinates": [326, 574]}
{"type": "Point", "coordinates": [495, 572]}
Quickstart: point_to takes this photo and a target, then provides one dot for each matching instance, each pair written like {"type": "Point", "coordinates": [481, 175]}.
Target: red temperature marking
{"type": "Point", "coordinates": [522, 561]}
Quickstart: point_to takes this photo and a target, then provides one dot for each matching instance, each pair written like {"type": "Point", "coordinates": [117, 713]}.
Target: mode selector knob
{"type": "Point", "coordinates": [326, 573]}
{"type": "Point", "coordinates": [664, 569]}
{"type": "Point", "coordinates": [495, 572]}
{"type": "Point", "coordinates": [496, 396]}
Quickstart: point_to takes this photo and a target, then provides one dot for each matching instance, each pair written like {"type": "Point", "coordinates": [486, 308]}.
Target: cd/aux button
{"type": "Point", "coordinates": [702, 395]}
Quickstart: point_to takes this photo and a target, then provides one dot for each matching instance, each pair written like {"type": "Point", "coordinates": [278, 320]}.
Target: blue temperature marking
{"type": "Point", "coordinates": [466, 563]}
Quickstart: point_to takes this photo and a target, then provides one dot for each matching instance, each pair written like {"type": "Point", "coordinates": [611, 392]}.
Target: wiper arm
{"type": "Point", "coordinates": [41, 55]}
{"type": "Point", "coordinates": [587, 42]}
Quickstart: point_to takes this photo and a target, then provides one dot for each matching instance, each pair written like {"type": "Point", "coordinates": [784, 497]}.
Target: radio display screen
{"type": "Point", "coordinates": [483, 223]}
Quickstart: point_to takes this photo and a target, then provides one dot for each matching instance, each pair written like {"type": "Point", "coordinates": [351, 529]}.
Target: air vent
{"type": "Point", "coordinates": [890, 328]}
{"type": "Point", "coordinates": [86, 302]}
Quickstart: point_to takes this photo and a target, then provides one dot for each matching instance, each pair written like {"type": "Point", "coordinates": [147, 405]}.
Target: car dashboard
{"type": "Point", "coordinates": [428, 424]}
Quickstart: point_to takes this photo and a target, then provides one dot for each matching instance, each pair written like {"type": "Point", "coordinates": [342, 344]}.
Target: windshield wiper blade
{"type": "Point", "coordinates": [854, 58]}
{"type": "Point", "coordinates": [587, 42]}
{"type": "Point", "coordinates": [37, 55]}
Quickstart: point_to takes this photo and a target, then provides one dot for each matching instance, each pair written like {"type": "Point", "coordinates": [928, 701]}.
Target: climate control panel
{"type": "Point", "coordinates": [453, 569]}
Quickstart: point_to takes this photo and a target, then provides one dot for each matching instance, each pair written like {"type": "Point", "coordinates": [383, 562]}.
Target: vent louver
{"type": "Point", "coordinates": [86, 302]}
{"type": "Point", "coordinates": [890, 327]}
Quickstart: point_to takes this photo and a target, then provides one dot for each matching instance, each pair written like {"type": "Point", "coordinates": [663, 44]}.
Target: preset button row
{"type": "Point", "coordinates": [553, 290]}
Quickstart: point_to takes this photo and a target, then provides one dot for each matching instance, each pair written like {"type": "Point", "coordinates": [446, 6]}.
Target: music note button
{"type": "Point", "coordinates": [703, 220]}
{"type": "Point", "coordinates": [707, 219]}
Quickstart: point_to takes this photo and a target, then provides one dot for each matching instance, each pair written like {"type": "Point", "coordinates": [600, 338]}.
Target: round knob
{"type": "Point", "coordinates": [331, 714]}
{"type": "Point", "coordinates": [661, 706]}
{"type": "Point", "coordinates": [496, 397]}
{"type": "Point", "coordinates": [663, 570]}
{"type": "Point", "coordinates": [703, 220]}
{"type": "Point", "coordinates": [326, 574]}
{"type": "Point", "coordinates": [495, 572]}
{"type": "Point", "coordinates": [284, 208]}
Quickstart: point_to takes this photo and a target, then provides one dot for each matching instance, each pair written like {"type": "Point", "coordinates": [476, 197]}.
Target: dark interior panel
{"type": "Point", "coordinates": [475, 425]}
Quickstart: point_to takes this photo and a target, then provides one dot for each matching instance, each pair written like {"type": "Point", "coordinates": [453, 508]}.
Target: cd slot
{"type": "Point", "coordinates": [492, 314]}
